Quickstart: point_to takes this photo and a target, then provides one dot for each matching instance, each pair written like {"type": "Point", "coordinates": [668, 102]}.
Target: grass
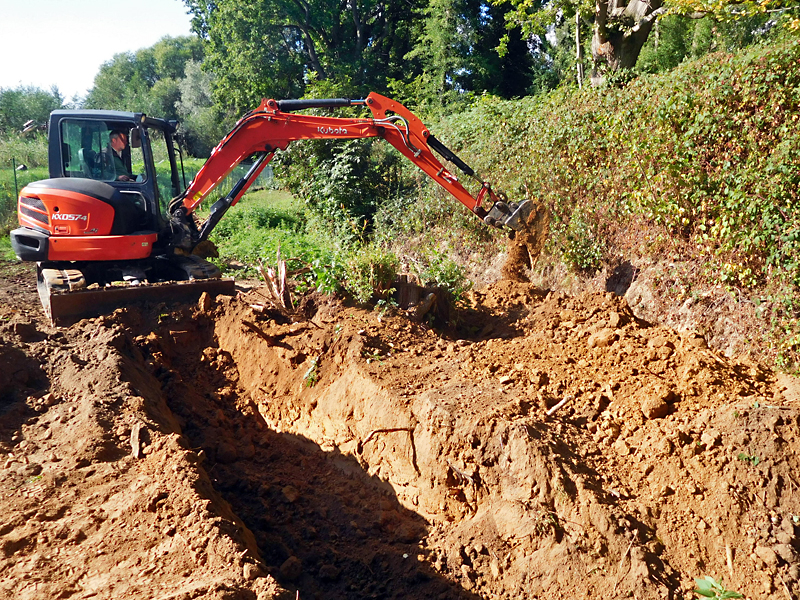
{"type": "Point", "coordinates": [265, 221]}
{"type": "Point", "coordinates": [9, 192]}
{"type": "Point", "coordinates": [6, 253]}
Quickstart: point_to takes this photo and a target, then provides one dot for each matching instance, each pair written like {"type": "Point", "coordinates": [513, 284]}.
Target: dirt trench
{"type": "Point", "coordinates": [547, 445]}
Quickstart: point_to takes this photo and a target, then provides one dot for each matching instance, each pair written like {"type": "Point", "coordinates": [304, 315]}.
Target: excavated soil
{"type": "Point", "coordinates": [545, 446]}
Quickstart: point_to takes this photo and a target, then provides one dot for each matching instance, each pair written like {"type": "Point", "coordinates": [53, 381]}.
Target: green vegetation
{"type": "Point", "coordinates": [26, 104]}
{"type": "Point", "coordinates": [708, 587]}
{"type": "Point", "coordinates": [752, 459]}
{"type": "Point", "coordinates": [6, 253]}
{"type": "Point", "coordinates": [265, 221]}
{"type": "Point", "coordinates": [707, 154]}
{"type": "Point", "coordinates": [15, 153]}
{"type": "Point", "coordinates": [700, 165]}
{"type": "Point", "coordinates": [311, 376]}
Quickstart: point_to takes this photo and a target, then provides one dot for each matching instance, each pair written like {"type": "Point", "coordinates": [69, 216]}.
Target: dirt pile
{"type": "Point", "coordinates": [547, 445]}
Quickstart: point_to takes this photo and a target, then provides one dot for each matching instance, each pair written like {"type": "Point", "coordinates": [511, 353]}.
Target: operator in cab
{"type": "Point", "coordinates": [118, 141]}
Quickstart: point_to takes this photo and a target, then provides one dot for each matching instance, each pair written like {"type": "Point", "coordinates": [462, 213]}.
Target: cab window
{"type": "Point", "coordinates": [100, 150]}
{"type": "Point", "coordinates": [163, 168]}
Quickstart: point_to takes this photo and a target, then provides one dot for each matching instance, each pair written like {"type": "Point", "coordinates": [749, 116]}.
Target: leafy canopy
{"type": "Point", "coordinates": [26, 103]}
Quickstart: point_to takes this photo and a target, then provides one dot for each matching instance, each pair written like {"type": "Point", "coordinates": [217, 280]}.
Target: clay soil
{"type": "Point", "coordinates": [543, 446]}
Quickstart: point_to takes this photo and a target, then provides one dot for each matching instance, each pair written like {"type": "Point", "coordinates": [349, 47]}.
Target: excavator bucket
{"type": "Point", "coordinates": [511, 215]}
{"type": "Point", "coordinates": [67, 307]}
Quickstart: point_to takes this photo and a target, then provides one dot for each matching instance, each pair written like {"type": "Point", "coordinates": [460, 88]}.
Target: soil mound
{"type": "Point", "coordinates": [547, 445]}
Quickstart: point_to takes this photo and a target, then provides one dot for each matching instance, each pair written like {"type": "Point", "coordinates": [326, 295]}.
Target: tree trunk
{"type": "Point", "coordinates": [578, 49]}
{"type": "Point", "coordinates": [620, 31]}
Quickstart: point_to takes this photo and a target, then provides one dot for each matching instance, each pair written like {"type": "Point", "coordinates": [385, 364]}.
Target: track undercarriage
{"type": "Point", "coordinates": [70, 291]}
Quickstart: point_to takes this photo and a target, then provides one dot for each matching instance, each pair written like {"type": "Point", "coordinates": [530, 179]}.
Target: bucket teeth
{"type": "Point", "coordinates": [510, 215]}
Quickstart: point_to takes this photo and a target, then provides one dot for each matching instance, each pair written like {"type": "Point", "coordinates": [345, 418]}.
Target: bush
{"type": "Point", "coordinates": [709, 154]}
{"type": "Point", "coordinates": [438, 269]}
{"type": "Point", "coordinates": [370, 272]}
{"type": "Point", "coordinates": [30, 151]}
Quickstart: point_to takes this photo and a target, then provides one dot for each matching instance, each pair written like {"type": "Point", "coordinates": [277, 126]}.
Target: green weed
{"type": "Point", "coordinates": [749, 458]}
{"type": "Point", "coordinates": [370, 272]}
{"type": "Point", "coordinates": [311, 376]}
{"type": "Point", "coordinates": [708, 587]}
{"type": "Point", "coordinates": [6, 253]}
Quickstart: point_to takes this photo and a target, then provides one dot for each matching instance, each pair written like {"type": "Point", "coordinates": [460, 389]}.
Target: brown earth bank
{"type": "Point", "coordinates": [545, 445]}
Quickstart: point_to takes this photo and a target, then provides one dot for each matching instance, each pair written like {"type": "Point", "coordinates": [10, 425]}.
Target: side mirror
{"type": "Point", "coordinates": [136, 138]}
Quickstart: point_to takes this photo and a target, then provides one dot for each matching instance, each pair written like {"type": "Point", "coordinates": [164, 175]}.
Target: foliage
{"type": "Point", "coordinates": [442, 49]}
{"type": "Point", "coordinates": [23, 151]}
{"type": "Point", "coordinates": [343, 183]}
{"type": "Point", "coordinates": [583, 248]}
{"type": "Point", "coordinates": [370, 272]}
{"type": "Point", "coordinates": [702, 163]}
{"type": "Point", "coordinates": [709, 153]}
{"type": "Point", "coordinates": [617, 34]}
{"type": "Point", "coordinates": [440, 270]}
{"type": "Point", "coordinates": [456, 45]}
{"type": "Point", "coordinates": [6, 253]}
{"type": "Point", "coordinates": [708, 587]}
{"type": "Point", "coordinates": [265, 221]}
{"type": "Point", "coordinates": [30, 151]}
{"type": "Point", "coordinates": [26, 103]}
{"type": "Point", "coordinates": [781, 11]}
{"type": "Point", "coordinates": [257, 226]}
{"type": "Point", "coordinates": [202, 123]}
{"type": "Point", "coordinates": [266, 48]}
{"type": "Point", "coordinates": [311, 376]}
{"type": "Point", "coordinates": [621, 30]}
{"type": "Point", "coordinates": [146, 80]}
{"type": "Point", "coordinates": [678, 37]}
{"type": "Point", "coordinates": [752, 459]}
{"type": "Point", "coordinates": [164, 81]}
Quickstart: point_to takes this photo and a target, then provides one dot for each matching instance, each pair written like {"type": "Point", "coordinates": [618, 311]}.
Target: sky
{"type": "Point", "coordinates": [64, 42]}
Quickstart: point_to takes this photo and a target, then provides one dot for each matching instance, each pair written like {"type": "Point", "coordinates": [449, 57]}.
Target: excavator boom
{"type": "Point", "coordinates": [273, 125]}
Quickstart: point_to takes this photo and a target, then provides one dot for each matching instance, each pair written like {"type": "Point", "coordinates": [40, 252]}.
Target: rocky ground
{"type": "Point", "coordinates": [543, 446]}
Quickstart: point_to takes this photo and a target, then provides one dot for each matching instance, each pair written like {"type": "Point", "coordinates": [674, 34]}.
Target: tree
{"type": "Point", "coordinates": [26, 103]}
{"type": "Point", "coordinates": [619, 28]}
{"type": "Point", "coordinates": [622, 27]}
{"type": "Point", "coordinates": [146, 80]}
{"type": "Point", "coordinates": [457, 46]}
{"type": "Point", "coordinates": [519, 70]}
{"type": "Point", "coordinates": [268, 48]}
{"type": "Point", "coordinates": [202, 123]}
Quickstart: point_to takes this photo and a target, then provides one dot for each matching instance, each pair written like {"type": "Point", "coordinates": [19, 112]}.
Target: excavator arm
{"type": "Point", "coordinates": [273, 125]}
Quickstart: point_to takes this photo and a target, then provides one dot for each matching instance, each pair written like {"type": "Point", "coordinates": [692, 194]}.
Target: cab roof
{"type": "Point", "coordinates": [112, 115]}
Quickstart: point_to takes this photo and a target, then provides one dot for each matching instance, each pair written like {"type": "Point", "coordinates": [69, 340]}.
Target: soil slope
{"type": "Point", "coordinates": [546, 446]}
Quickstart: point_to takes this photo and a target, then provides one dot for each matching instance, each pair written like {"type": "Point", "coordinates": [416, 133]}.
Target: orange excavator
{"type": "Point", "coordinates": [113, 223]}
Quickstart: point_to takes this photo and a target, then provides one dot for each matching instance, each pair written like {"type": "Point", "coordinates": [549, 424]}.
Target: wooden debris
{"type": "Point", "coordinates": [259, 332]}
{"type": "Point", "coordinates": [276, 284]}
{"type": "Point", "coordinates": [136, 444]}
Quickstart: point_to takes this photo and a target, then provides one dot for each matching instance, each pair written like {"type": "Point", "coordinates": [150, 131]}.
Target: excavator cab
{"type": "Point", "coordinates": [144, 170]}
{"type": "Point", "coordinates": [112, 176]}
{"type": "Point", "coordinates": [102, 216]}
